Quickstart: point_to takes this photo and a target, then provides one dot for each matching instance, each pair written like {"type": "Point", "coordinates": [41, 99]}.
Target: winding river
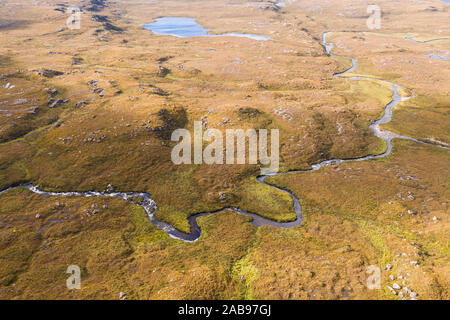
{"type": "Point", "coordinates": [145, 201]}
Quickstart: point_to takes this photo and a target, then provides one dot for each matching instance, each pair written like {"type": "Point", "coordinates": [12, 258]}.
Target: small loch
{"type": "Point", "coordinates": [188, 27]}
{"type": "Point", "coordinates": [438, 57]}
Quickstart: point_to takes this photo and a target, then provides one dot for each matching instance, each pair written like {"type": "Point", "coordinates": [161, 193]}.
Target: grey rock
{"type": "Point", "coordinates": [396, 286]}
{"type": "Point", "coordinates": [54, 104]}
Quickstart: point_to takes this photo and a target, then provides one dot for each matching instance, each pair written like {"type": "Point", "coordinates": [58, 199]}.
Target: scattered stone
{"type": "Point", "coordinates": [80, 104]}
{"type": "Point", "coordinates": [54, 104]}
{"type": "Point", "coordinates": [110, 27]}
{"type": "Point", "coordinates": [164, 59]}
{"type": "Point", "coordinates": [38, 216]}
{"type": "Point", "coordinates": [160, 92]}
{"type": "Point", "coordinates": [34, 110]}
{"type": "Point", "coordinates": [162, 72]}
{"type": "Point", "coordinates": [49, 73]}
{"type": "Point", "coordinates": [392, 290]}
{"type": "Point", "coordinates": [92, 82]}
{"type": "Point", "coordinates": [77, 61]}
{"type": "Point", "coordinates": [99, 18]}
{"type": "Point", "coordinates": [396, 286]}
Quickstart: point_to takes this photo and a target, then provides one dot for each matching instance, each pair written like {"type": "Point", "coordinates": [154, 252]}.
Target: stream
{"type": "Point", "coordinates": [145, 201]}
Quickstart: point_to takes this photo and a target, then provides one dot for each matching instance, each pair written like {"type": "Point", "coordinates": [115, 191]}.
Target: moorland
{"type": "Point", "coordinates": [93, 109]}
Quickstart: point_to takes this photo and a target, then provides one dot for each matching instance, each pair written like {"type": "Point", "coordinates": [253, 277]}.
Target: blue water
{"type": "Point", "coordinates": [187, 27]}
{"type": "Point", "coordinates": [438, 57]}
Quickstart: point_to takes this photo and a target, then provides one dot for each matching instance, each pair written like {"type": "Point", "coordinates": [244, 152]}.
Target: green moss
{"type": "Point", "coordinates": [143, 231]}
{"type": "Point", "coordinates": [244, 270]}
{"type": "Point", "coordinates": [265, 201]}
{"type": "Point", "coordinates": [380, 147]}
